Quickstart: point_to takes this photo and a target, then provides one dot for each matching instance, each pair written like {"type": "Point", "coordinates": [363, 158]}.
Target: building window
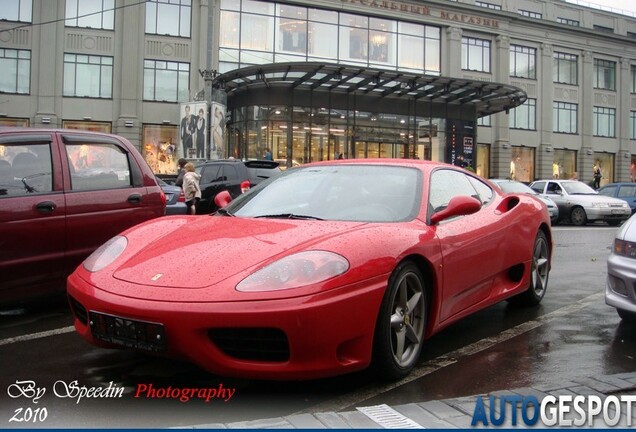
{"type": "Point", "coordinates": [476, 54]}
{"type": "Point", "coordinates": [16, 71]}
{"type": "Point", "coordinates": [603, 28]}
{"type": "Point", "coordinates": [604, 122]}
{"type": "Point", "coordinates": [99, 14]}
{"type": "Point", "coordinates": [565, 117]}
{"type": "Point", "coordinates": [566, 68]}
{"type": "Point", "coordinates": [522, 61]}
{"type": "Point", "coordinates": [632, 125]}
{"type": "Point", "coordinates": [168, 17]}
{"type": "Point", "coordinates": [166, 81]}
{"type": "Point", "coordinates": [633, 78]}
{"type": "Point", "coordinates": [484, 121]}
{"type": "Point", "coordinates": [604, 74]}
{"type": "Point", "coordinates": [254, 32]}
{"type": "Point", "coordinates": [530, 14]}
{"type": "Point", "coordinates": [88, 76]}
{"type": "Point", "coordinates": [16, 10]}
{"type": "Point", "coordinates": [487, 5]}
{"type": "Point", "coordinates": [570, 22]}
{"type": "Point", "coordinates": [524, 116]}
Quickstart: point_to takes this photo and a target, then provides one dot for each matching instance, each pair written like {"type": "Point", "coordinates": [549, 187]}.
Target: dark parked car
{"type": "Point", "coordinates": [230, 174]}
{"type": "Point", "coordinates": [624, 191]}
{"type": "Point", "coordinates": [63, 193]}
{"type": "Point", "coordinates": [175, 198]}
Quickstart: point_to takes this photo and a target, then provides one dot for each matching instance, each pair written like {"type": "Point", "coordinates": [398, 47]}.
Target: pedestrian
{"type": "Point", "coordinates": [268, 155]}
{"type": "Point", "coordinates": [597, 175]}
{"type": "Point", "coordinates": [191, 188]}
{"type": "Point", "coordinates": [180, 163]}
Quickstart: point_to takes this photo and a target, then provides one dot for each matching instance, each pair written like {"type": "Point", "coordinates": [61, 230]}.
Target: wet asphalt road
{"type": "Point", "coordinates": [572, 334]}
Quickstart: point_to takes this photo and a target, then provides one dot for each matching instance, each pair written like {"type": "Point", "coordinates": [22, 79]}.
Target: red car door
{"type": "Point", "coordinates": [470, 244]}
{"type": "Point", "coordinates": [108, 191]}
{"type": "Point", "coordinates": [32, 214]}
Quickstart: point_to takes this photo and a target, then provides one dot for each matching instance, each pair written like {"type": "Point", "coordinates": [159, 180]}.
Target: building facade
{"type": "Point", "coordinates": [129, 67]}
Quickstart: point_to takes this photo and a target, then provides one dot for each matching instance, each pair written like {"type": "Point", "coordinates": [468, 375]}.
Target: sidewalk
{"type": "Point", "coordinates": [444, 414]}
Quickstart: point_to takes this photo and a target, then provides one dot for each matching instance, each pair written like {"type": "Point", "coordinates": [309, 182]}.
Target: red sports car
{"type": "Point", "coordinates": [323, 270]}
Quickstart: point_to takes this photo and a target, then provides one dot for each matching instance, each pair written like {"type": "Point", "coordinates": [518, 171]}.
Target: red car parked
{"type": "Point", "coordinates": [321, 270]}
{"type": "Point", "coordinates": [62, 194]}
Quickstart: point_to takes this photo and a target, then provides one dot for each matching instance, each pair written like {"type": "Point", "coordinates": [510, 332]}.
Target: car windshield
{"type": "Point", "coordinates": [578, 188]}
{"type": "Point", "coordinates": [515, 186]}
{"type": "Point", "coordinates": [365, 193]}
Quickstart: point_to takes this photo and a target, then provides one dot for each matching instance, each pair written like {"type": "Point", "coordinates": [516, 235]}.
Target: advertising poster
{"type": "Point", "coordinates": [193, 130]}
{"type": "Point", "coordinates": [217, 131]}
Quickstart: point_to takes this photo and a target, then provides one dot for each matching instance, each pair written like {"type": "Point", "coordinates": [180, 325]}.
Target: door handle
{"type": "Point", "coordinates": [134, 199]}
{"type": "Point", "coordinates": [45, 207]}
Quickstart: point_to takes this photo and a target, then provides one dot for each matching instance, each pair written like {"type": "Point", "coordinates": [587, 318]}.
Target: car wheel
{"type": "Point", "coordinates": [399, 331]}
{"type": "Point", "coordinates": [539, 272]}
{"type": "Point", "coordinates": [578, 216]}
{"type": "Point", "coordinates": [626, 315]}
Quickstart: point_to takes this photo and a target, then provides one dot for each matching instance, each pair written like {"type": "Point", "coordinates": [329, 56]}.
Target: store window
{"type": "Point", "coordinates": [566, 69]}
{"type": "Point", "coordinates": [482, 160]}
{"type": "Point", "coordinates": [97, 14]}
{"type": "Point", "coordinates": [166, 81]}
{"type": "Point", "coordinates": [160, 148]}
{"type": "Point", "coordinates": [14, 122]}
{"type": "Point", "coordinates": [524, 116]}
{"type": "Point", "coordinates": [88, 76]}
{"type": "Point", "coordinates": [476, 54]}
{"type": "Point", "coordinates": [565, 117]}
{"type": "Point", "coordinates": [604, 121]}
{"type": "Point", "coordinates": [523, 61]}
{"type": "Point", "coordinates": [564, 164]}
{"type": "Point", "coordinates": [604, 74]}
{"type": "Point", "coordinates": [168, 17]}
{"type": "Point", "coordinates": [92, 126]}
{"type": "Point", "coordinates": [606, 162]}
{"type": "Point", "coordinates": [522, 164]}
{"type": "Point", "coordinates": [16, 71]}
{"type": "Point", "coordinates": [16, 10]}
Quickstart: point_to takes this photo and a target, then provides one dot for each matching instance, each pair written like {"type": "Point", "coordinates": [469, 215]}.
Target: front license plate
{"type": "Point", "coordinates": [143, 335]}
{"type": "Point", "coordinates": [618, 212]}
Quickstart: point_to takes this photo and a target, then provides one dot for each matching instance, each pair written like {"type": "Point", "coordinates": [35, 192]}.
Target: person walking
{"type": "Point", "coordinates": [191, 188]}
{"type": "Point", "coordinates": [598, 175]}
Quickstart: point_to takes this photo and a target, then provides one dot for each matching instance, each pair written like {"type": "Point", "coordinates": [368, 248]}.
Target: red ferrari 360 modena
{"type": "Point", "coordinates": [326, 269]}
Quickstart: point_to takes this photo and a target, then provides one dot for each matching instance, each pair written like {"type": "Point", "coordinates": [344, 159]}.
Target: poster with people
{"type": "Point", "coordinates": [193, 130]}
{"type": "Point", "coordinates": [217, 131]}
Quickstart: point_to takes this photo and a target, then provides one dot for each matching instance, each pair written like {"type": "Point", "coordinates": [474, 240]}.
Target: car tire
{"type": "Point", "coordinates": [399, 330]}
{"type": "Point", "coordinates": [578, 216]}
{"type": "Point", "coordinates": [539, 273]}
{"type": "Point", "coordinates": [626, 315]}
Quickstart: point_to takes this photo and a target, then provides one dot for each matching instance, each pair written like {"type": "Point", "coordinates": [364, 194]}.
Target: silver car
{"type": "Point", "coordinates": [513, 186]}
{"type": "Point", "coordinates": [621, 272]}
{"type": "Point", "coordinates": [581, 204]}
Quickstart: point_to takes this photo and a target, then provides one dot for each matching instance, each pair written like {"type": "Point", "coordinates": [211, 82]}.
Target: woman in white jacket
{"type": "Point", "coordinates": [191, 188]}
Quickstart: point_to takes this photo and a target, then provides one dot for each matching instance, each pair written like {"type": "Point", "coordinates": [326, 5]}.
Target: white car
{"type": "Point", "coordinates": [581, 204]}
{"type": "Point", "coordinates": [621, 272]}
{"type": "Point", "coordinates": [514, 186]}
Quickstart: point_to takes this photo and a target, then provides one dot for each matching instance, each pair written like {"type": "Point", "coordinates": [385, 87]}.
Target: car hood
{"type": "Point", "coordinates": [628, 230]}
{"type": "Point", "coordinates": [209, 249]}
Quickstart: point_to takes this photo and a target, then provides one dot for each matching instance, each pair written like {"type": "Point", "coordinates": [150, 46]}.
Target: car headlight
{"type": "Point", "coordinates": [625, 248]}
{"type": "Point", "coordinates": [105, 254]}
{"type": "Point", "coordinates": [600, 205]}
{"type": "Point", "coordinates": [295, 271]}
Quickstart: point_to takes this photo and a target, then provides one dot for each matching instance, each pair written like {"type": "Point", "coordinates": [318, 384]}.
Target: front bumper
{"type": "Point", "coordinates": [605, 214]}
{"type": "Point", "coordinates": [620, 290]}
{"type": "Point", "coordinates": [325, 334]}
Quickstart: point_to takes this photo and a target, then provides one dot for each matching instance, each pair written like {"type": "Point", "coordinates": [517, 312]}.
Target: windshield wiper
{"type": "Point", "coordinates": [224, 212]}
{"type": "Point", "coordinates": [289, 216]}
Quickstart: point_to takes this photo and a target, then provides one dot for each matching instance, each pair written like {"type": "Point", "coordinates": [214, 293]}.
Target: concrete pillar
{"type": "Point", "coordinates": [544, 156]}
{"type": "Point", "coordinates": [586, 155]}
{"type": "Point", "coordinates": [501, 151]}
{"type": "Point", "coordinates": [624, 155]}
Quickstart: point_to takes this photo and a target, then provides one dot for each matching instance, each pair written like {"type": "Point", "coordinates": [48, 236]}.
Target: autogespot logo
{"type": "Point", "coordinates": [565, 410]}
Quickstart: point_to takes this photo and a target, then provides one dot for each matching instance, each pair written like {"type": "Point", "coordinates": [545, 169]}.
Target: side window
{"type": "Point", "coordinates": [554, 188]}
{"type": "Point", "coordinates": [209, 173]}
{"type": "Point", "coordinates": [25, 169]}
{"type": "Point", "coordinates": [538, 187]}
{"type": "Point", "coordinates": [627, 191]}
{"type": "Point", "coordinates": [447, 184]}
{"type": "Point", "coordinates": [229, 173]}
{"type": "Point", "coordinates": [97, 166]}
{"type": "Point", "coordinates": [483, 190]}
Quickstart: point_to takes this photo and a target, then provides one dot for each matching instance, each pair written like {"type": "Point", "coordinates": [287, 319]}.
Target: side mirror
{"type": "Point", "coordinates": [458, 206]}
{"type": "Point", "coordinates": [222, 199]}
